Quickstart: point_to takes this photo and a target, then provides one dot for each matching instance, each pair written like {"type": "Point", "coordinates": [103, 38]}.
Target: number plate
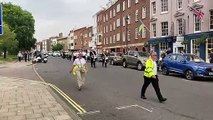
{"type": "Point", "coordinates": [210, 73]}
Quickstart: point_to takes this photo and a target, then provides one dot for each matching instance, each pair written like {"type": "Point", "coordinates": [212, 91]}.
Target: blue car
{"type": "Point", "coordinates": [189, 65]}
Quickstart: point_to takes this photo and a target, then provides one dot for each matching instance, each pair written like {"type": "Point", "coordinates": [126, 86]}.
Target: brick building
{"type": "Point", "coordinates": [120, 20]}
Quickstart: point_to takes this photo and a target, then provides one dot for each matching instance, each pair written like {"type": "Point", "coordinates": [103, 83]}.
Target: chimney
{"type": "Point", "coordinates": [60, 35]}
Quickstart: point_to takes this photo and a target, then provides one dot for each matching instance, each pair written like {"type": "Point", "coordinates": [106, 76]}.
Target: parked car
{"type": "Point", "coordinates": [99, 58]}
{"type": "Point", "coordinates": [115, 58]}
{"type": "Point", "coordinates": [56, 54]}
{"type": "Point", "coordinates": [135, 58]}
{"type": "Point", "coordinates": [189, 65]}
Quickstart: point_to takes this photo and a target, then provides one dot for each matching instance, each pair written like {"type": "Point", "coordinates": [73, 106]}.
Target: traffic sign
{"type": "Point", "coordinates": [1, 21]}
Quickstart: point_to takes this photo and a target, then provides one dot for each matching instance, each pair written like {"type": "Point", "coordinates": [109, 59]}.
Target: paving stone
{"type": "Point", "coordinates": [62, 117]}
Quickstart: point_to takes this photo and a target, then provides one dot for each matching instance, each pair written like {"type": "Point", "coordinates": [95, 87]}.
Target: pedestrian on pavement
{"type": "Point", "coordinates": [25, 56]}
{"type": "Point", "coordinates": [150, 76]}
{"type": "Point", "coordinates": [211, 56]}
{"type": "Point", "coordinates": [19, 56]}
{"type": "Point", "coordinates": [79, 68]}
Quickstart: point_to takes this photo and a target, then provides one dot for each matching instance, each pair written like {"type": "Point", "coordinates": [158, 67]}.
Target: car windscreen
{"type": "Point", "coordinates": [143, 54]}
{"type": "Point", "coordinates": [193, 58]}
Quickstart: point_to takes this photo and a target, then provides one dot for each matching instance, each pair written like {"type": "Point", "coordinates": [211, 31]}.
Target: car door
{"type": "Point", "coordinates": [180, 65]}
{"type": "Point", "coordinates": [171, 62]}
{"type": "Point", "coordinates": [131, 58]}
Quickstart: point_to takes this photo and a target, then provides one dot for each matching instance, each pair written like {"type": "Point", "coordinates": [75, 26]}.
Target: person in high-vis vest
{"type": "Point", "coordinates": [150, 76]}
{"type": "Point", "coordinates": [79, 68]}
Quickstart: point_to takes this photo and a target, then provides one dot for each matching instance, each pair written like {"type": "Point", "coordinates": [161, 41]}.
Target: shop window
{"type": "Point", "coordinates": [195, 48]}
{"type": "Point", "coordinates": [163, 46]}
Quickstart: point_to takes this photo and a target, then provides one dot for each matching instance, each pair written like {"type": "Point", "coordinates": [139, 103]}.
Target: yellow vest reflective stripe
{"type": "Point", "coordinates": [74, 69]}
{"type": "Point", "coordinates": [149, 70]}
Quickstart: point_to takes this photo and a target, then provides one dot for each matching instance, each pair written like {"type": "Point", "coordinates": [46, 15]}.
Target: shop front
{"type": "Point", "coordinates": [161, 44]}
{"type": "Point", "coordinates": [200, 44]}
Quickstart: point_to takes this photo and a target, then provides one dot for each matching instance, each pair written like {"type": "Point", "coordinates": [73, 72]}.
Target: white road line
{"type": "Point", "coordinates": [129, 106]}
{"type": "Point", "coordinates": [90, 112]}
{"type": "Point", "coordinates": [125, 107]}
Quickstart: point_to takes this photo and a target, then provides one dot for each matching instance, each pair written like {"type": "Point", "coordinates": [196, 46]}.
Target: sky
{"type": "Point", "coordinates": [55, 16]}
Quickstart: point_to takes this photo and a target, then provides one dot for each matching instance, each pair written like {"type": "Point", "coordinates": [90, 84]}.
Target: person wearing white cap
{"type": "Point", "coordinates": [79, 68]}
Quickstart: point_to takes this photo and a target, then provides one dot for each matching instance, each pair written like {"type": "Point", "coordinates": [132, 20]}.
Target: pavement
{"type": "Point", "coordinates": [24, 97]}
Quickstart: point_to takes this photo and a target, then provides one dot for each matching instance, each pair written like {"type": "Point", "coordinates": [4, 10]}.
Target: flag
{"type": "Point", "coordinates": [199, 14]}
{"type": "Point", "coordinates": [141, 26]}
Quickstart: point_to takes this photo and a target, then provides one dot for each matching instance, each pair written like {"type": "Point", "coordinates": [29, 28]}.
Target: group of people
{"type": "Point", "coordinates": [24, 55]}
{"type": "Point", "coordinates": [80, 69]}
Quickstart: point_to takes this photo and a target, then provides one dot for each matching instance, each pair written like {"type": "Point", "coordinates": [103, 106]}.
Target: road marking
{"type": "Point", "coordinates": [90, 112]}
{"type": "Point", "coordinates": [66, 97]}
{"type": "Point", "coordinates": [129, 106]}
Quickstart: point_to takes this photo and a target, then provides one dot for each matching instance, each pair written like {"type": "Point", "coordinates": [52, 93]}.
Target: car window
{"type": "Point", "coordinates": [143, 54]}
{"type": "Point", "coordinates": [112, 54]}
{"type": "Point", "coordinates": [194, 58]}
{"type": "Point", "coordinates": [180, 58]}
{"type": "Point", "coordinates": [173, 57]}
{"type": "Point", "coordinates": [131, 53]}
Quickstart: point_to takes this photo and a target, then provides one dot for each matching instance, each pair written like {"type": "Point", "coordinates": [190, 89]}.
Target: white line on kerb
{"type": "Point", "coordinates": [126, 107]}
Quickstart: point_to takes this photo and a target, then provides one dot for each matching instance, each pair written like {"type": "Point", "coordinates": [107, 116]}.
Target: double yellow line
{"type": "Point", "coordinates": [69, 100]}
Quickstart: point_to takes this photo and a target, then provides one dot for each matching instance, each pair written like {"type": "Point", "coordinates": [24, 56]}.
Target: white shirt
{"type": "Point", "coordinates": [155, 68]}
{"type": "Point", "coordinates": [79, 62]}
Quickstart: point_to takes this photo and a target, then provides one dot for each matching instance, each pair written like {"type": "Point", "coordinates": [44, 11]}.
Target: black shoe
{"type": "Point", "coordinates": [143, 97]}
{"type": "Point", "coordinates": [79, 89]}
{"type": "Point", "coordinates": [162, 100]}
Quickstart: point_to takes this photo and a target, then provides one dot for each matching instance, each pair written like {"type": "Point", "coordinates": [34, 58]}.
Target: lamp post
{"type": "Point", "coordinates": [126, 20]}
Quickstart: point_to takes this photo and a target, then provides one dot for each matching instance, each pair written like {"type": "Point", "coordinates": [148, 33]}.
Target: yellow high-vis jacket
{"type": "Point", "coordinates": [149, 70]}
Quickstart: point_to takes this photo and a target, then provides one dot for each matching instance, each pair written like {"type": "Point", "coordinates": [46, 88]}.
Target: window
{"type": "Point", "coordinates": [180, 26]}
{"type": "Point", "coordinates": [124, 36]}
{"type": "Point", "coordinates": [154, 8]}
{"type": "Point", "coordinates": [107, 29]}
{"type": "Point", "coordinates": [107, 40]}
{"type": "Point", "coordinates": [195, 48]}
{"type": "Point", "coordinates": [104, 41]}
{"type": "Point", "coordinates": [136, 33]}
{"type": "Point", "coordinates": [180, 4]}
{"type": "Point", "coordinates": [118, 7]}
{"type": "Point", "coordinates": [129, 3]}
{"type": "Point", "coordinates": [143, 12]}
{"type": "Point", "coordinates": [118, 36]}
{"type": "Point", "coordinates": [163, 46]}
{"type": "Point", "coordinates": [129, 35]}
{"type": "Point", "coordinates": [113, 39]}
{"type": "Point", "coordinates": [113, 13]}
{"type": "Point", "coordinates": [124, 22]}
{"type": "Point", "coordinates": [143, 33]}
{"type": "Point", "coordinates": [136, 1]}
{"type": "Point", "coordinates": [154, 29]}
{"type": "Point", "coordinates": [106, 17]}
{"type": "Point", "coordinates": [104, 29]}
{"type": "Point", "coordinates": [210, 45]}
{"type": "Point", "coordinates": [197, 24]}
{"type": "Point", "coordinates": [110, 39]}
{"type": "Point", "coordinates": [164, 5]}
{"type": "Point", "coordinates": [118, 22]}
{"type": "Point", "coordinates": [211, 19]}
{"type": "Point", "coordinates": [136, 15]}
{"type": "Point", "coordinates": [114, 25]}
{"type": "Point", "coordinates": [124, 5]}
{"type": "Point", "coordinates": [164, 28]}
{"type": "Point", "coordinates": [110, 15]}
{"type": "Point", "coordinates": [110, 28]}
{"type": "Point", "coordinates": [129, 19]}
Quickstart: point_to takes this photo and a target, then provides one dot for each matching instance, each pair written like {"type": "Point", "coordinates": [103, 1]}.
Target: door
{"type": "Point", "coordinates": [179, 64]}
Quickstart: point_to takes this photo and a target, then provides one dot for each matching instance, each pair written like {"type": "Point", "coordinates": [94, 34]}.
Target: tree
{"type": "Point", "coordinates": [7, 40]}
{"type": "Point", "coordinates": [22, 23]}
{"type": "Point", "coordinates": [57, 47]}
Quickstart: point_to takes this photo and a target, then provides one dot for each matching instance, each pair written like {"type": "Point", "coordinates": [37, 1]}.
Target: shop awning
{"type": "Point", "coordinates": [161, 39]}
{"type": "Point", "coordinates": [198, 35]}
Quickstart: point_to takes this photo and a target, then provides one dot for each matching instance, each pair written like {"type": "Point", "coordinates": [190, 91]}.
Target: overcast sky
{"type": "Point", "coordinates": [55, 16]}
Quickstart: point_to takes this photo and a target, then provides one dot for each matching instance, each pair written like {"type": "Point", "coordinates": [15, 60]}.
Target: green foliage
{"type": "Point", "coordinates": [57, 47]}
{"type": "Point", "coordinates": [202, 39]}
{"type": "Point", "coordinates": [22, 23]}
{"type": "Point", "coordinates": [7, 40]}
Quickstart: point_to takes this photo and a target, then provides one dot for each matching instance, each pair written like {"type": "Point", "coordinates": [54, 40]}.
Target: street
{"type": "Point", "coordinates": [113, 93]}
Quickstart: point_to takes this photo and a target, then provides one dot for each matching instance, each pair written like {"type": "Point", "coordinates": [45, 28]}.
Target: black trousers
{"type": "Point", "coordinates": [155, 85]}
{"type": "Point", "coordinates": [93, 62]}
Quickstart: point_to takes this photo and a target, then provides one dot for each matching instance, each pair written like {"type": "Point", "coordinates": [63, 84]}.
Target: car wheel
{"type": "Point", "coordinates": [112, 62]}
{"type": "Point", "coordinates": [124, 64]}
{"type": "Point", "coordinates": [189, 75]}
{"type": "Point", "coordinates": [139, 66]}
{"type": "Point", "coordinates": [165, 71]}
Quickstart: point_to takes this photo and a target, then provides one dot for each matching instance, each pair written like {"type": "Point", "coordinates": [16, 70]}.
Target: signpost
{"type": "Point", "coordinates": [1, 21]}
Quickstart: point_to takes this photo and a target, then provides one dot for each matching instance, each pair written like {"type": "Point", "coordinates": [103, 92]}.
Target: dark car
{"type": "Point", "coordinates": [115, 58]}
{"type": "Point", "coordinates": [189, 65]}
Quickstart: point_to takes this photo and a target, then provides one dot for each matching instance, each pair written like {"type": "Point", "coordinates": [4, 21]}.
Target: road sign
{"type": "Point", "coordinates": [1, 21]}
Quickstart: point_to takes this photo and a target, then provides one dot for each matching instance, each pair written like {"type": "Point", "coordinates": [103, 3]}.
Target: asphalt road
{"type": "Point", "coordinates": [113, 93]}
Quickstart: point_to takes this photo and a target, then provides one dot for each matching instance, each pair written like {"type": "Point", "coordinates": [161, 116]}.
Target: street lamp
{"type": "Point", "coordinates": [126, 20]}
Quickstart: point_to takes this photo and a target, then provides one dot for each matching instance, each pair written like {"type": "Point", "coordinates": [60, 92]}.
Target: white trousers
{"type": "Point", "coordinates": [80, 78]}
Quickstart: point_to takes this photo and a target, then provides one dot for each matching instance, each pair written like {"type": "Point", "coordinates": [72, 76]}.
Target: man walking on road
{"type": "Point", "coordinates": [150, 76]}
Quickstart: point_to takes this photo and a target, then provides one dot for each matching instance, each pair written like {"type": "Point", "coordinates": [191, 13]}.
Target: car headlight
{"type": "Point", "coordinates": [200, 67]}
